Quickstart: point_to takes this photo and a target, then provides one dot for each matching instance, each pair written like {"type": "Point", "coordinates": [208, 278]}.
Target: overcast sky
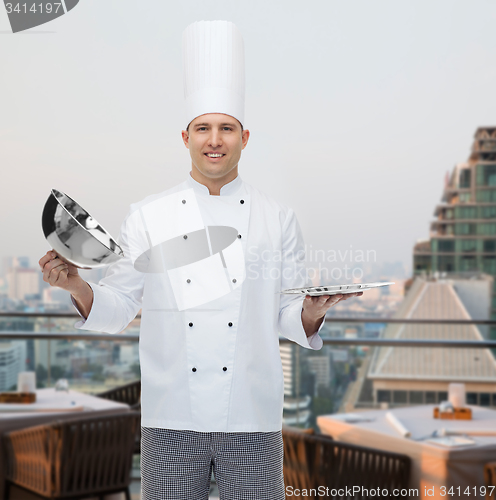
{"type": "Point", "coordinates": [356, 110]}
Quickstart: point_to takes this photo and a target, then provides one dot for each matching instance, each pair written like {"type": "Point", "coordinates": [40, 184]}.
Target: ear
{"type": "Point", "coordinates": [185, 137]}
{"type": "Point", "coordinates": [245, 135]}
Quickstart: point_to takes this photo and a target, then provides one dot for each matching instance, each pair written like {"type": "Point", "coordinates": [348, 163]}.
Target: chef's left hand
{"type": "Point", "coordinates": [315, 308]}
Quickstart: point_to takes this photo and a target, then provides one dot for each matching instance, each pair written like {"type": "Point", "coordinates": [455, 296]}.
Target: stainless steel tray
{"type": "Point", "coordinates": [315, 291]}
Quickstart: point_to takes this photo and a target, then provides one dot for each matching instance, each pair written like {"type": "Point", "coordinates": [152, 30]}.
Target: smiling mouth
{"type": "Point", "coordinates": [214, 155]}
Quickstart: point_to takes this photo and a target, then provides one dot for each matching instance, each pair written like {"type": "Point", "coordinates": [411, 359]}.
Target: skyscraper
{"type": "Point", "coordinates": [23, 282]}
{"type": "Point", "coordinates": [463, 237]}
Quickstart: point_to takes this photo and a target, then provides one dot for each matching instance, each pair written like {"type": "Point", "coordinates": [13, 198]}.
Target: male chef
{"type": "Point", "coordinates": [206, 261]}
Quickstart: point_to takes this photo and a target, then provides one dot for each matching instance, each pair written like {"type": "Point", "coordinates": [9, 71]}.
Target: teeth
{"type": "Point", "coordinates": [213, 155]}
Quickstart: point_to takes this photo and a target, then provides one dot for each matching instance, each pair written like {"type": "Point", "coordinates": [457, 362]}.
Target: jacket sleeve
{"type": "Point", "coordinates": [294, 275]}
{"type": "Point", "coordinates": [117, 297]}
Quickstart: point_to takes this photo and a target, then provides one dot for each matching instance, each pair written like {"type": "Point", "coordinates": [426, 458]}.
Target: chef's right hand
{"type": "Point", "coordinates": [58, 273]}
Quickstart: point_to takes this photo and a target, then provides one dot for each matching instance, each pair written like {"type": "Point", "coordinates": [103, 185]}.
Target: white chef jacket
{"type": "Point", "coordinates": [208, 365]}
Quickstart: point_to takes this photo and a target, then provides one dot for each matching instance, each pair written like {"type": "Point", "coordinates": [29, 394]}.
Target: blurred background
{"type": "Point", "coordinates": [375, 121]}
{"type": "Point", "coordinates": [356, 110]}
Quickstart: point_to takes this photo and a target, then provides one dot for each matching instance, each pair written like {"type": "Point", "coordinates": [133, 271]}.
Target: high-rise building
{"type": "Point", "coordinates": [12, 361]}
{"type": "Point", "coordinates": [57, 299]}
{"type": "Point", "coordinates": [23, 282]}
{"type": "Point", "coordinates": [21, 261]}
{"type": "Point", "coordinates": [463, 237]}
{"type": "Point", "coordinates": [7, 263]}
{"type": "Point", "coordinates": [321, 366]}
{"type": "Point", "coordinates": [297, 382]}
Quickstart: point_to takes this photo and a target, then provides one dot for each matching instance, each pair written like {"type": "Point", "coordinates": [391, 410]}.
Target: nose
{"type": "Point", "coordinates": [215, 139]}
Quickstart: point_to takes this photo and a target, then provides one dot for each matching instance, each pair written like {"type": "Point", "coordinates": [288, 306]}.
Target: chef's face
{"type": "Point", "coordinates": [215, 142]}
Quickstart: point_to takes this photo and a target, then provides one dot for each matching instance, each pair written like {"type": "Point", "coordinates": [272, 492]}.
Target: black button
{"type": "Point", "coordinates": [185, 236]}
{"type": "Point", "coordinates": [230, 324]}
{"type": "Point", "coordinates": [191, 324]}
{"type": "Point", "coordinates": [241, 201]}
{"type": "Point", "coordinates": [239, 236]}
{"type": "Point", "coordinates": [225, 368]}
{"type": "Point", "coordinates": [188, 281]}
{"type": "Point", "coordinates": [184, 201]}
{"type": "Point", "coordinates": [234, 280]}
{"type": "Point", "coordinates": [193, 369]}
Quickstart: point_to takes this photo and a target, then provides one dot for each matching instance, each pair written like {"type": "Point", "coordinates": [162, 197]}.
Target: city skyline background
{"type": "Point", "coordinates": [356, 112]}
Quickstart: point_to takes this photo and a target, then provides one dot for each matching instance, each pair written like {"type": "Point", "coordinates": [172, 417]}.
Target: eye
{"type": "Point", "coordinates": [202, 128]}
{"type": "Point", "coordinates": [228, 128]}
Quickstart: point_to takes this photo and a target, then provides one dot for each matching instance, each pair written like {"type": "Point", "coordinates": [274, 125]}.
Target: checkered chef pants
{"type": "Point", "coordinates": [177, 464]}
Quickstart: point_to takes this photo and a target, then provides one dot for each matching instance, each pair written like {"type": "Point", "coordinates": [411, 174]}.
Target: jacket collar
{"type": "Point", "coordinates": [228, 189]}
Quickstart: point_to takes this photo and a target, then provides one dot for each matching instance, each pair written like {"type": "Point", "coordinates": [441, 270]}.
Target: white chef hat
{"type": "Point", "coordinates": [214, 70]}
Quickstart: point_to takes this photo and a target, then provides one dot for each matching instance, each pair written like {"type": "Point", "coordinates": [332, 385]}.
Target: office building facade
{"type": "Point", "coordinates": [463, 236]}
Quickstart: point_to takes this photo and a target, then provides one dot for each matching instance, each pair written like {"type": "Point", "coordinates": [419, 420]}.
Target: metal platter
{"type": "Point", "coordinates": [315, 291]}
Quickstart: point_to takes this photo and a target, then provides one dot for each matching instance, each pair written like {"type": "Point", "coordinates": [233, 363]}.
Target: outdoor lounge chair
{"type": "Point", "coordinates": [311, 461]}
{"type": "Point", "coordinates": [72, 459]}
{"type": "Point", "coordinates": [128, 393]}
{"type": "Point", "coordinates": [131, 395]}
{"type": "Point", "coordinates": [490, 477]}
